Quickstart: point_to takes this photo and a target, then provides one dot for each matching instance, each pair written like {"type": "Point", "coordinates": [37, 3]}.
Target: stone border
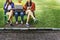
{"type": "Point", "coordinates": [54, 29]}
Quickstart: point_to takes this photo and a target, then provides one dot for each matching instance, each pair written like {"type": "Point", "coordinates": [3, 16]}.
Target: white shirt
{"type": "Point", "coordinates": [9, 7]}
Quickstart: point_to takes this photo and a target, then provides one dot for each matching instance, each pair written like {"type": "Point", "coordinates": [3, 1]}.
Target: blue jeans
{"type": "Point", "coordinates": [19, 14]}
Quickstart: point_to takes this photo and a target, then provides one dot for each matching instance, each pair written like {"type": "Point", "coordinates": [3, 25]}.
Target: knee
{"type": "Point", "coordinates": [11, 11]}
{"type": "Point", "coordinates": [21, 14]}
{"type": "Point", "coordinates": [16, 14]}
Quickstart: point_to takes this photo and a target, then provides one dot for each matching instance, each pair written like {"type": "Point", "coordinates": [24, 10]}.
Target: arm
{"type": "Point", "coordinates": [12, 5]}
{"type": "Point", "coordinates": [5, 6]}
{"type": "Point", "coordinates": [24, 7]}
{"type": "Point", "coordinates": [33, 7]}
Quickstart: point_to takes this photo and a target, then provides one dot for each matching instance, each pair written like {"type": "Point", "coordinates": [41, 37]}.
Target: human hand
{"type": "Point", "coordinates": [28, 8]}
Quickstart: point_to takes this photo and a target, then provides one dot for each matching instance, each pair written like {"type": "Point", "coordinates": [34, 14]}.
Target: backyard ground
{"type": "Point", "coordinates": [29, 35]}
{"type": "Point", "coordinates": [47, 12]}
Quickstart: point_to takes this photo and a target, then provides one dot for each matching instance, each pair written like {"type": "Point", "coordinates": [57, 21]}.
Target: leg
{"type": "Point", "coordinates": [16, 16]}
{"type": "Point", "coordinates": [11, 19]}
{"type": "Point", "coordinates": [31, 13]}
{"type": "Point", "coordinates": [28, 17]}
{"type": "Point", "coordinates": [34, 14]}
{"type": "Point", "coordinates": [22, 17]}
{"type": "Point", "coordinates": [10, 14]}
{"type": "Point", "coordinates": [27, 22]}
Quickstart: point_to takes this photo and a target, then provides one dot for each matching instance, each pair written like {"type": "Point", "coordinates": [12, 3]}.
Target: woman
{"type": "Point", "coordinates": [8, 6]}
{"type": "Point", "coordinates": [19, 13]}
{"type": "Point", "coordinates": [29, 9]}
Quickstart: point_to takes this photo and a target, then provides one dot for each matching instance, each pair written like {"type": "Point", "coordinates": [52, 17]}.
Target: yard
{"type": "Point", "coordinates": [47, 12]}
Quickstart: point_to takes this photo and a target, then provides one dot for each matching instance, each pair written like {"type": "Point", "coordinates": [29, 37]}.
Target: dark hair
{"type": "Point", "coordinates": [28, 4]}
{"type": "Point", "coordinates": [7, 1]}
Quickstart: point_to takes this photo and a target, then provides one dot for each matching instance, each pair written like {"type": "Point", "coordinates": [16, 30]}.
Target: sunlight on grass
{"type": "Point", "coordinates": [57, 1]}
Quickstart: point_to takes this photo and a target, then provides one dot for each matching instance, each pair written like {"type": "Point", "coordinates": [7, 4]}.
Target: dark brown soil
{"type": "Point", "coordinates": [30, 35]}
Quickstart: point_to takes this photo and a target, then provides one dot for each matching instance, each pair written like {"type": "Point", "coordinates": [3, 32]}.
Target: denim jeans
{"type": "Point", "coordinates": [19, 14]}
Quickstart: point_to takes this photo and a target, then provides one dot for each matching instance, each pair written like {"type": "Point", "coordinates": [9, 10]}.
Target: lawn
{"type": "Point", "coordinates": [47, 12]}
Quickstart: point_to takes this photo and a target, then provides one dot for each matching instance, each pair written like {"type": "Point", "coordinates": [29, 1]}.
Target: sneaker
{"type": "Point", "coordinates": [11, 24]}
{"type": "Point", "coordinates": [21, 22]}
{"type": "Point", "coordinates": [35, 20]}
{"type": "Point", "coordinates": [16, 22]}
{"type": "Point", "coordinates": [8, 21]}
{"type": "Point", "coordinates": [27, 25]}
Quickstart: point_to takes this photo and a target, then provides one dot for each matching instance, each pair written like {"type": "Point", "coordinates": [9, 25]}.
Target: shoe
{"type": "Point", "coordinates": [11, 24]}
{"type": "Point", "coordinates": [21, 22]}
{"type": "Point", "coordinates": [16, 22]}
{"type": "Point", "coordinates": [27, 25]}
{"type": "Point", "coordinates": [8, 21]}
{"type": "Point", "coordinates": [35, 20]}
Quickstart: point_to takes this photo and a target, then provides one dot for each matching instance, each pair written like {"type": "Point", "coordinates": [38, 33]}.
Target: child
{"type": "Point", "coordinates": [8, 6]}
{"type": "Point", "coordinates": [29, 9]}
{"type": "Point", "coordinates": [21, 13]}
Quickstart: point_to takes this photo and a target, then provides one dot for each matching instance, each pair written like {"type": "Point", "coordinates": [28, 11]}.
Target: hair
{"type": "Point", "coordinates": [30, 3]}
{"type": "Point", "coordinates": [7, 1]}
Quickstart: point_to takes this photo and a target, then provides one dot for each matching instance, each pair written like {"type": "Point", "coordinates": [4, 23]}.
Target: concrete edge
{"type": "Point", "coordinates": [53, 29]}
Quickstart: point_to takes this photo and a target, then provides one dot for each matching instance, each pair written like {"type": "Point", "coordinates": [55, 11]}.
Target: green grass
{"type": "Point", "coordinates": [1, 18]}
{"type": "Point", "coordinates": [47, 12]}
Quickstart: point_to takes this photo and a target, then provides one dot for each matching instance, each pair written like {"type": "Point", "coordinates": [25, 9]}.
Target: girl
{"type": "Point", "coordinates": [19, 13]}
{"type": "Point", "coordinates": [29, 9]}
{"type": "Point", "coordinates": [8, 6]}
